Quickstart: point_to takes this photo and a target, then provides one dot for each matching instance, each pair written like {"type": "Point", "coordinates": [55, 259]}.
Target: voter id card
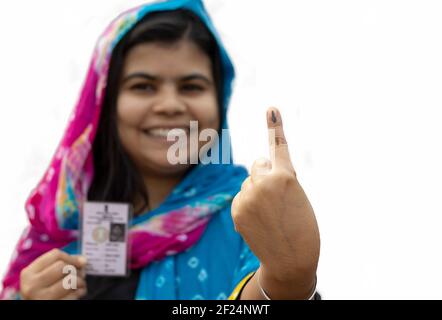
{"type": "Point", "coordinates": [104, 238]}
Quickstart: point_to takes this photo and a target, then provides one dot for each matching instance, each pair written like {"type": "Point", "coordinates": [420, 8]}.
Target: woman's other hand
{"type": "Point", "coordinates": [46, 277]}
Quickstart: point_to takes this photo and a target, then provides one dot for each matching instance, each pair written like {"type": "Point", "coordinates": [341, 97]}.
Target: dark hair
{"type": "Point", "coordinates": [116, 178]}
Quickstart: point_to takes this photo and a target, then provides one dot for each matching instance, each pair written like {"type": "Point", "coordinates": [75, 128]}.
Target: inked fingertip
{"type": "Point", "coordinates": [273, 116]}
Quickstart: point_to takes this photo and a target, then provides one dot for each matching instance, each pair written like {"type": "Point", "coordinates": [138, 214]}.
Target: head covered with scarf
{"type": "Point", "coordinates": [55, 205]}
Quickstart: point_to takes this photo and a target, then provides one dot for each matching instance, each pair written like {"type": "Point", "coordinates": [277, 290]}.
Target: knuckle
{"type": "Point", "coordinates": [24, 273]}
{"type": "Point", "coordinates": [56, 253]}
{"type": "Point", "coordinates": [284, 178]}
{"type": "Point", "coordinates": [38, 278]}
{"type": "Point", "coordinates": [59, 266]}
{"type": "Point", "coordinates": [239, 218]}
{"type": "Point", "coordinates": [61, 255]}
{"type": "Point", "coordinates": [25, 282]}
{"type": "Point", "coordinates": [25, 290]}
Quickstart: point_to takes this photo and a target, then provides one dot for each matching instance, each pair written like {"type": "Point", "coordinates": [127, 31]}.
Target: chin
{"type": "Point", "coordinates": [165, 168]}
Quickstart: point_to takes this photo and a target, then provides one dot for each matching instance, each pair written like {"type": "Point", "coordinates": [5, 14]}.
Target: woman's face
{"type": "Point", "coordinates": [164, 87]}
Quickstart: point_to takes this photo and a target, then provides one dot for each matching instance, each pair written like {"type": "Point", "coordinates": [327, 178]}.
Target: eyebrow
{"type": "Point", "coordinates": [147, 76]}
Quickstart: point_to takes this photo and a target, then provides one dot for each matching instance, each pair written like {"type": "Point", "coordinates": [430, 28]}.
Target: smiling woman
{"type": "Point", "coordinates": [167, 72]}
{"type": "Point", "coordinates": [200, 231]}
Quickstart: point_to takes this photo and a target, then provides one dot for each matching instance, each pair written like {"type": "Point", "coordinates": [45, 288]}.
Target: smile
{"type": "Point", "coordinates": [164, 132]}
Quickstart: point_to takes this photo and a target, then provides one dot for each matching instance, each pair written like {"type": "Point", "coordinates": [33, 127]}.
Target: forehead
{"type": "Point", "coordinates": [167, 59]}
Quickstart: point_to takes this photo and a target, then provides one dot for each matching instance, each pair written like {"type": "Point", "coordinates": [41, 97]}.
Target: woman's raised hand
{"type": "Point", "coordinates": [274, 216]}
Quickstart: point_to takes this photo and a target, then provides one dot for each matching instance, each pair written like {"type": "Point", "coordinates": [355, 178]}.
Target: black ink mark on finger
{"type": "Point", "coordinates": [273, 117]}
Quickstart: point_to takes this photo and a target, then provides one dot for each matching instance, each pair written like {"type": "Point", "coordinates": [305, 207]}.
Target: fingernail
{"type": "Point", "coordinates": [82, 260]}
{"type": "Point", "coordinates": [273, 116]}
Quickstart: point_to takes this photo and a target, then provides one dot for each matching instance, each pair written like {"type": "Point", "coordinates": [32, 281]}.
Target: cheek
{"type": "Point", "coordinates": [207, 114]}
{"type": "Point", "coordinates": [129, 111]}
{"type": "Point", "coordinates": [129, 115]}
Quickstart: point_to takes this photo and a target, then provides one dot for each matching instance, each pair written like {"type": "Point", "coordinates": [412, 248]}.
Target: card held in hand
{"type": "Point", "coordinates": [104, 238]}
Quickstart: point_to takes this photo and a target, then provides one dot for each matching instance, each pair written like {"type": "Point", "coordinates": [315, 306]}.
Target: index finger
{"type": "Point", "coordinates": [279, 151]}
{"type": "Point", "coordinates": [55, 255]}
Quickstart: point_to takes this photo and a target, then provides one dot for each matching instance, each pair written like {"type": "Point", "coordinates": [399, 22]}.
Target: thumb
{"type": "Point", "coordinates": [260, 168]}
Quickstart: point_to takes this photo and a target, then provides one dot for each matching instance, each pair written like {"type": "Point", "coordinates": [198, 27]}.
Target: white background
{"type": "Point", "coordinates": [359, 86]}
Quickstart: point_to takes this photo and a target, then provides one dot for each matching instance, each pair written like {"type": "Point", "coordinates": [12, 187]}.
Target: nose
{"type": "Point", "coordinates": [169, 102]}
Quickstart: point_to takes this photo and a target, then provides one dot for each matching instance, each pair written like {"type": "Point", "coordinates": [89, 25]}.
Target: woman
{"type": "Point", "coordinates": [200, 231]}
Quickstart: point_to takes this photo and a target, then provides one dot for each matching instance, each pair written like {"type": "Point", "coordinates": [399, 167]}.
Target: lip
{"type": "Point", "coordinates": [148, 131]}
{"type": "Point", "coordinates": [167, 126]}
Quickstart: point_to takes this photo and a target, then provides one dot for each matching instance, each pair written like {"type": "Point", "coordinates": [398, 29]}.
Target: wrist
{"type": "Point", "coordinates": [284, 287]}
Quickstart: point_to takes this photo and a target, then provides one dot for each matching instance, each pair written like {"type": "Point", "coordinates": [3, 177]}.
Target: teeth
{"type": "Point", "coordinates": [159, 132]}
{"type": "Point", "coordinates": [163, 132]}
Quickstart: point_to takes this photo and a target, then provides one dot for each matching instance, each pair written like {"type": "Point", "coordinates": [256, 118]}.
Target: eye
{"type": "Point", "coordinates": [192, 88]}
{"type": "Point", "coordinates": [143, 87]}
